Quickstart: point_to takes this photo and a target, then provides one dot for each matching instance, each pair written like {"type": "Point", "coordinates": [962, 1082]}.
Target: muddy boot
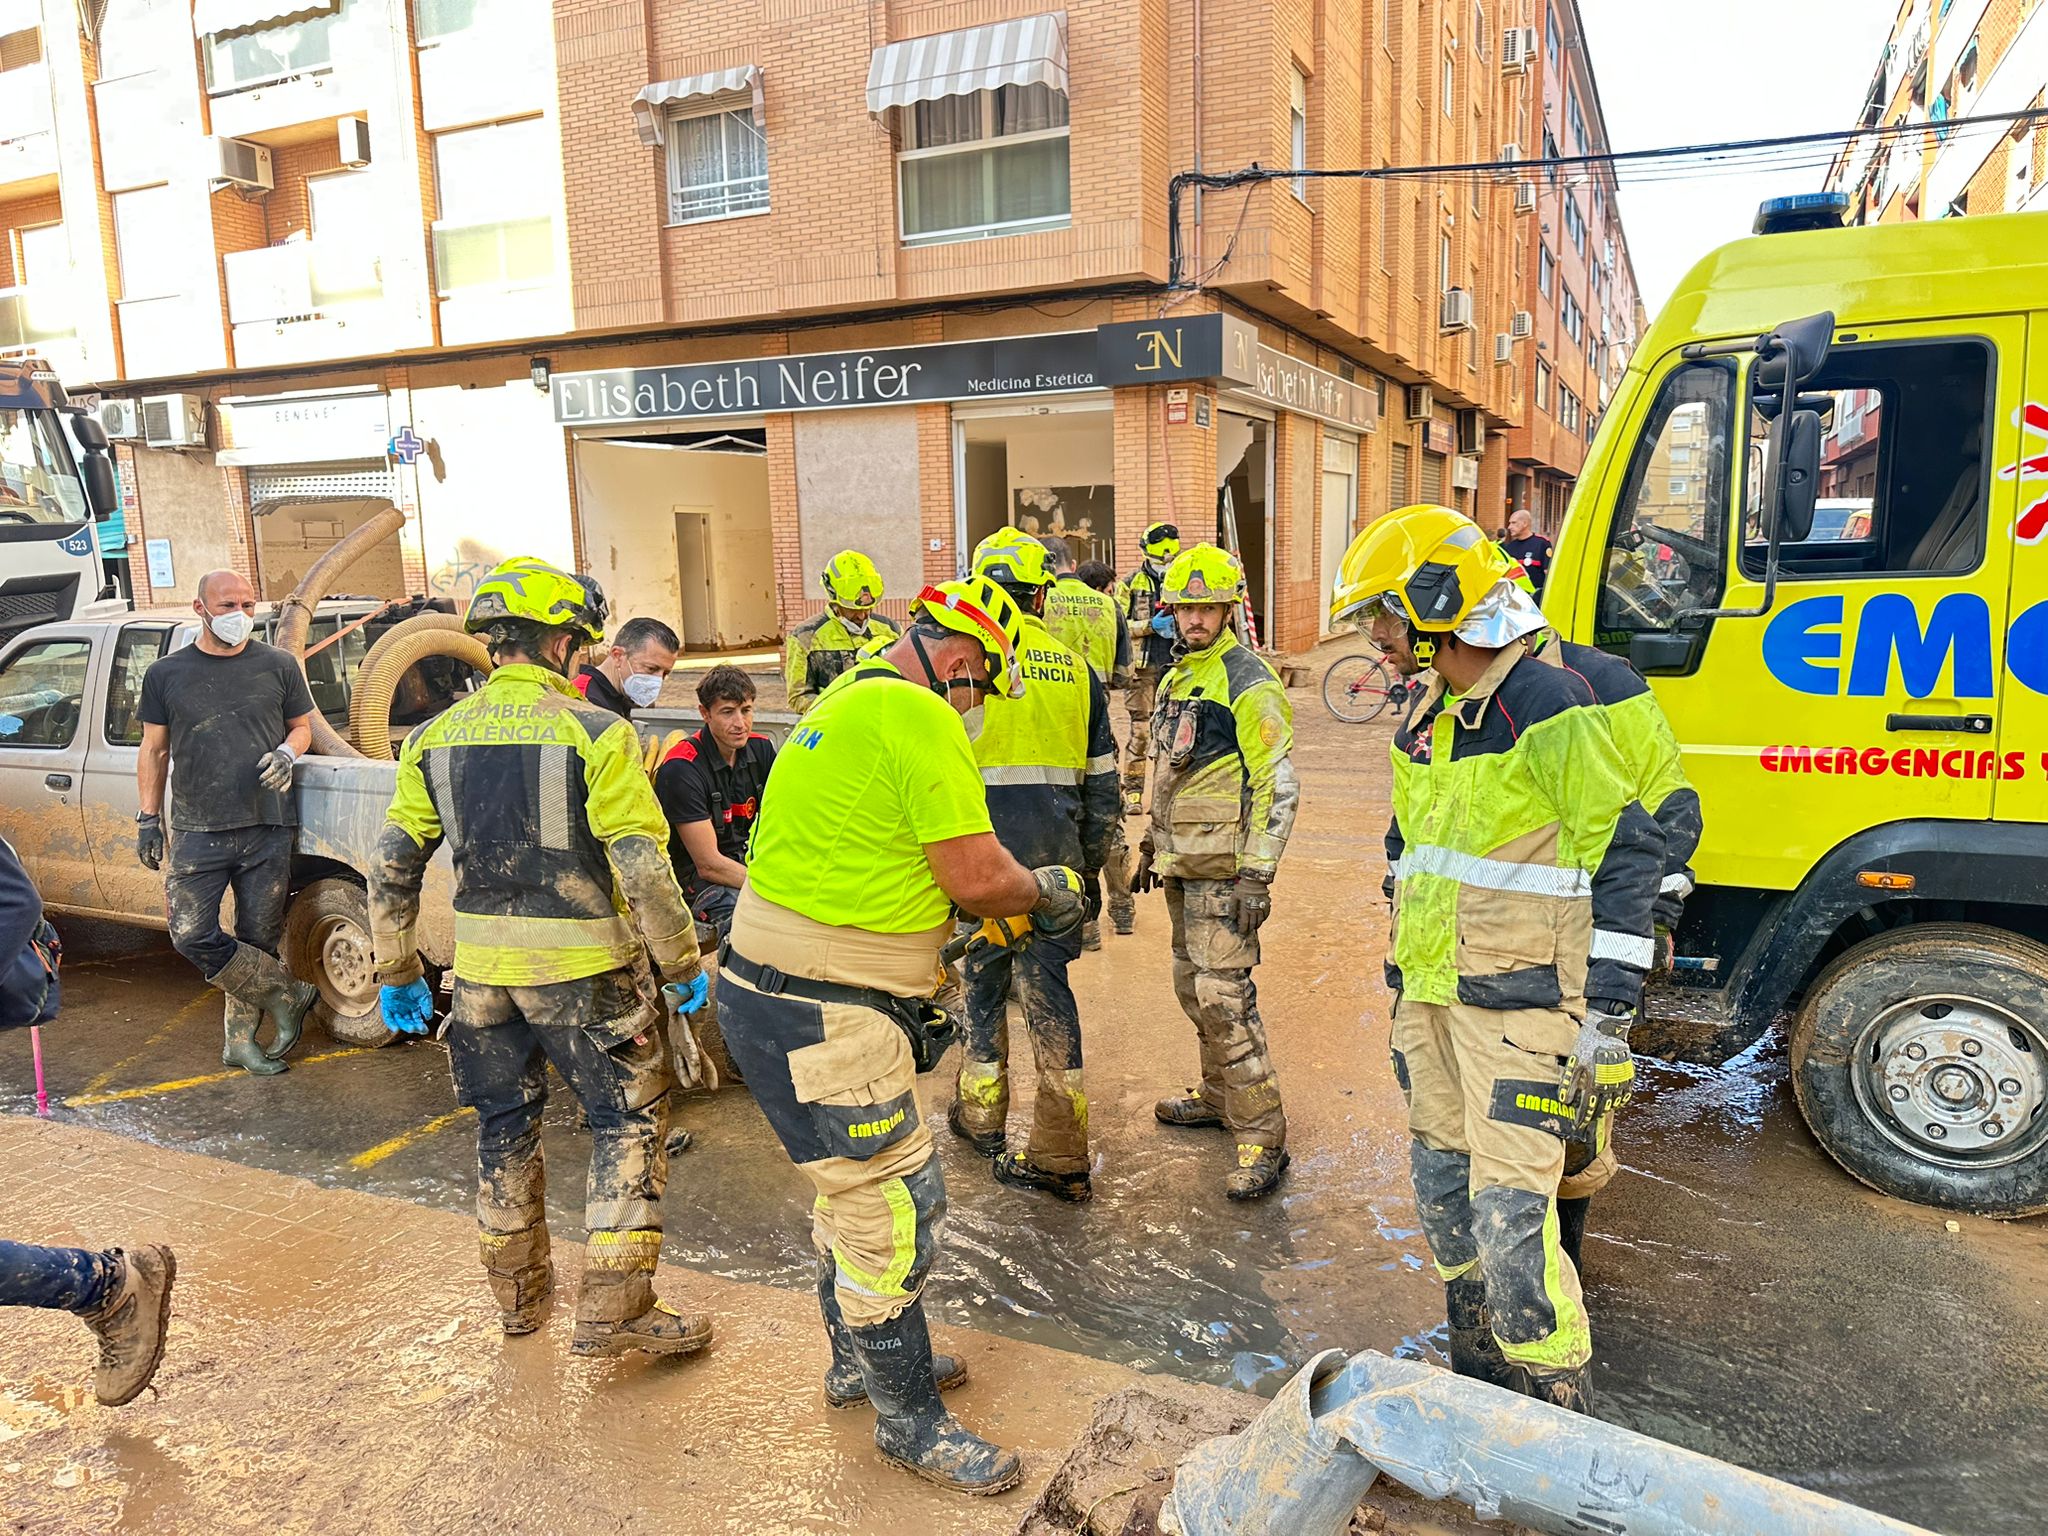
{"type": "Point", "coordinates": [1475, 1352]}
{"type": "Point", "coordinates": [680, 1141]}
{"type": "Point", "coordinates": [1190, 1111]}
{"type": "Point", "coordinates": [1091, 934]}
{"type": "Point", "coordinates": [259, 980]}
{"type": "Point", "coordinates": [240, 1048]}
{"type": "Point", "coordinates": [1571, 1227]}
{"type": "Point", "coordinates": [617, 1311]}
{"type": "Point", "coordinates": [1258, 1171]}
{"type": "Point", "coordinates": [987, 1143]}
{"type": "Point", "coordinates": [521, 1276]}
{"type": "Point", "coordinates": [1015, 1169]}
{"type": "Point", "coordinates": [845, 1387]}
{"type": "Point", "coordinates": [132, 1322]}
{"type": "Point", "coordinates": [1573, 1390]}
{"type": "Point", "coordinates": [1123, 915]}
{"type": "Point", "coordinates": [912, 1427]}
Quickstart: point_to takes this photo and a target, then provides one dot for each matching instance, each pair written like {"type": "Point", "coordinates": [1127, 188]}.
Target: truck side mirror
{"type": "Point", "coordinates": [87, 432]}
{"type": "Point", "coordinates": [1795, 472]}
{"type": "Point", "coordinates": [98, 474]}
{"type": "Point", "coordinates": [1796, 349]}
{"type": "Point", "coordinates": [1653, 651]}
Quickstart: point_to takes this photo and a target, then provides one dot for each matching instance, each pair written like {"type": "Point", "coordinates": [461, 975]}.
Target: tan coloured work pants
{"type": "Point", "coordinates": [1212, 976]}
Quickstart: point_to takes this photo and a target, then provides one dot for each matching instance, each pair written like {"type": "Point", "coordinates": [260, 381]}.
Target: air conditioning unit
{"type": "Point", "coordinates": [1471, 432]}
{"type": "Point", "coordinates": [354, 136]}
{"type": "Point", "coordinates": [1457, 311]}
{"type": "Point", "coordinates": [1421, 403]}
{"type": "Point", "coordinates": [174, 421]}
{"type": "Point", "coordinates": [1517, 50]}
{"type": "Point", "coordinates": [1510, 152]}
{"type": "Point", "coordinates": [1524, 325]}
{"type": "Point", "coordinates": [1503, 347]}
{"type": "Point", "coordinates": [121, 419]}
{"type": "Point", "coordinates": [1465, 472]}
{"type": "Point", "coordinates": [1525, 197]}
{"type": "Point", "coordinates": [240, 163]}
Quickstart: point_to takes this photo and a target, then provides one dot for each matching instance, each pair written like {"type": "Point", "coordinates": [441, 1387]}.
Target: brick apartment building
{"type": "Point", "coordinates": [695, 293]}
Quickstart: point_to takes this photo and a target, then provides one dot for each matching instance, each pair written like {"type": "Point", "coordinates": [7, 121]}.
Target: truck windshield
{"type": "Point", "coordinates": [38, 482]}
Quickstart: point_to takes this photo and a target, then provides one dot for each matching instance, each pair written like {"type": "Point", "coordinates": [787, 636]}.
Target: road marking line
{"type": "Point", "coordinates": [177, 1083]}
{"type": "Point", "coordinates": [163, 1034]}
{"type": "Point", "coordinates": [404, 1139]}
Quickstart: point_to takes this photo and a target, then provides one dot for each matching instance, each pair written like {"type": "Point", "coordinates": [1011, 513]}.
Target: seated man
{"type": "Point", "coordinates": [709, 786]}
{"type": "Point", "coordinates": [629, 676]}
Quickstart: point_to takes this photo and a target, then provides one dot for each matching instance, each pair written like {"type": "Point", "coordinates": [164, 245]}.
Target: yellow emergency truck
{"type": "Point", "coordinates": [1863, 700]}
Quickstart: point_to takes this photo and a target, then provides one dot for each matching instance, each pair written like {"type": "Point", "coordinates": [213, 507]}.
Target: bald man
{"type": "Point", "coordinates": [224, 721]}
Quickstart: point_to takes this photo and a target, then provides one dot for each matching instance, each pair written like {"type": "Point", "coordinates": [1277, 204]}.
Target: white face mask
{"type": "Point", "coordinates": [643, 688]}
{"type": "Point", "coordinates": [230, 628]}
{"type": "Point", "coordinates": [974, 720]}
{"type": "Point", "coordinates": [857, 626]}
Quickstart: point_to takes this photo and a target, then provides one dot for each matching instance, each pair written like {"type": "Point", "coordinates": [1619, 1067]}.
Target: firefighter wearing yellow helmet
{"type": "Point", "coordinates": [563, 893]}
{"type": "Point", "coordinates": [1224, 794]}
{"type": "Point", "coordinates": [818, 651]}
{"type": "Point", "coordinates": [875, 827]}
{"type": "Point", "coordinates": [1524, 871]}
{"type": "Point", "coordinates": [1151, 631]}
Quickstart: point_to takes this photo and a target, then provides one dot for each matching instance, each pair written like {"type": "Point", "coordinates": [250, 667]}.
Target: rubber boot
{"type": "Point", "coordinates": [257, 979]}
{"type": "Point", "coordinates": [1475, 1352]}
{"type": "Point", "coordinates": [912, 1427]}
{"type": "Point", "coordinates": [1258, 1171]}
{"type": "Point", "coordinates": [1015, 1169]}
{"type": "Point", "coordinates": [239, 1048]}
{"type": "Point", "coordinates": [987, 1143]}
{"type": "Point", "coordinates": [1189, 1111]}
{"type": "Point", "coordinates": [845, 1386]}
{"type": "Point", "coordinates": [1572, 1390]}
{"type": "Point", "coordinates": [617, 1311]}
{"type": "Point", "coordinates": [1123, 915]}
{"type": "Point", "coordinates": [521, 1276]}
{"type": "Point", "coordinates": [132, 1322]}
{"type": "Point", "coordinates": [1571, 1227]}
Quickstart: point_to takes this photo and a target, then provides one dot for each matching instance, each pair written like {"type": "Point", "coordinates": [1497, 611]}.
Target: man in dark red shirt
{"type": "Point", "coordinates": [709, 786]}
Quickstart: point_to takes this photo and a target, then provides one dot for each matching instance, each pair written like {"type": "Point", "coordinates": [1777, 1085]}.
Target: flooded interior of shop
{"type": "Point", "coordinates": [1049, 471]}
{"type": "Point", "coordinates": [1244, 479]}
{"type": "Point", "coordinates": [291, 535]}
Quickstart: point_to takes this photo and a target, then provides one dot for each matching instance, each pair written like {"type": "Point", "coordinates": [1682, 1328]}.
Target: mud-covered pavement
{"type": "Point", "coordinates": [1748, 1299]}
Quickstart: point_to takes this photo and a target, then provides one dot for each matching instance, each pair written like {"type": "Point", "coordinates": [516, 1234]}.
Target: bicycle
{"type": "Point", "coordinates": [1358, 688]}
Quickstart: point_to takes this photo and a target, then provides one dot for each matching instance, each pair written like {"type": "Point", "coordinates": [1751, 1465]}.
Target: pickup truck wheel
{"type": "Point", "coordinates": [327, 942]}
{"type": "Point", "coordinates": [1920, 1060]}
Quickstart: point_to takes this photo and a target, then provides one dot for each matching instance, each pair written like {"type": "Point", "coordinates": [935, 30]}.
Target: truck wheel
{"type": "Point", "coordinates": [327, 942]}
{"type": "Point", "coordinates": [1920, 1060]}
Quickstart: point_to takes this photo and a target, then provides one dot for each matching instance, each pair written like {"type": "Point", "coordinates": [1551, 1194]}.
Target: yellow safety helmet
{"type": "Point", "coordinates": [1202, 573]}
{"type": "Point", "coordinates": [1428, 563]}
{"type": "Point", "coordinates": [1014, 559]}
{"type": "Point", "coordinates": [851, 580]}
{"type": "Point", "coordinates": [1162, 541]}
{"type": "Point", "coordinates": [538, 593]}
{"type": "Point", "coordinates": [979, 608]}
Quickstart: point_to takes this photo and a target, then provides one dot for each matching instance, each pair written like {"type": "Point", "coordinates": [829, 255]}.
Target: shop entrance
{"type": "Point", "coordinates": [1244, 500]}
{"type": "Point", "coordinates": [1338, 516]}
{"type": "Point", "coordinates": [1049, 470]}
{"type": "Point", "coordinates": [291, 535]}
{"type": "Point", "coordinates": [675, 527]}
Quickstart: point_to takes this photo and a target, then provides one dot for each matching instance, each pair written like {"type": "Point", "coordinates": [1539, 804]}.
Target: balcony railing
{"type": "Point", "coordinates": [24, 102]}
{"type": "Point", "coordinates": [34, 320]}
{"type": "Point", "coordinates": [299, 280]}
{"type": "Point", "coordinates": [503, 256]}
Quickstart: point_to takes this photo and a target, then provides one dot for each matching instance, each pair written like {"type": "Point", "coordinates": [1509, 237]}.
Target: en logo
{"type": "Point", "coordinates": [1160, 349]}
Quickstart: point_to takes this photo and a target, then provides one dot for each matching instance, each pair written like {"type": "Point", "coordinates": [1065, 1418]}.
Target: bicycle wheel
{"type": "Point", "coordinates": [1356, 688]}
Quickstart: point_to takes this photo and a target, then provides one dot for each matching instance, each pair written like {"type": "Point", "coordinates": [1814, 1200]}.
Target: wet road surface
{"type": "Point", "coordinates": [1749, 1300]}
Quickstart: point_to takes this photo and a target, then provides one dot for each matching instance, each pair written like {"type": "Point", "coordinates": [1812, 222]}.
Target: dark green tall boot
{"type": "Point", "coordinates": [845, 1387]}
{"type": "Point", "coordinates": [912, 1427]}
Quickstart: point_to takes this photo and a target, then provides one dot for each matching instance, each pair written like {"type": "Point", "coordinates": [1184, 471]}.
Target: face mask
{"type": "Point", "coordinates": [643, 688]}
{"type": "Point", "coordinates": [231, 628]}
{"type": "Point", "coordinates": [855, 627]}
{"type": "Point", "coordinates": [974, 720]}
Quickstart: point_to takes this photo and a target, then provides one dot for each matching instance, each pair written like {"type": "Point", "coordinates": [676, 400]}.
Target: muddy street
{"type": "Point", "coordinates": [1749, 1300]}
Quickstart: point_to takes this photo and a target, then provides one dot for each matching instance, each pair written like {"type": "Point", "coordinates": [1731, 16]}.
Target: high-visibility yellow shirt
{"type": "Point", "coordinates": [879, 767]}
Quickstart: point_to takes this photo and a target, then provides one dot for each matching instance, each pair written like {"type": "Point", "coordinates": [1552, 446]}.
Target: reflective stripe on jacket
{"type": "Point", "coordinates": [555, 836]}
{"type": "Point", "coordinates": [818, 651]}
{"type": "Point", "coordinates": [1223, 787]}
{"type": "Point", "coordinates": [1048, 760]}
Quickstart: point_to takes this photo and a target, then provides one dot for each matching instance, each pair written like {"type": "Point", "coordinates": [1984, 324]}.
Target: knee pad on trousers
{"type": "Point", "coordinates": [1443, 1206]}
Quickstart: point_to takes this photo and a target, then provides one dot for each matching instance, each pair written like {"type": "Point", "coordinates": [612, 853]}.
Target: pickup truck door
{"type": "Point", "coordinates": [110, 799]}
{"type": "Point", "coordinates": [46, 682]}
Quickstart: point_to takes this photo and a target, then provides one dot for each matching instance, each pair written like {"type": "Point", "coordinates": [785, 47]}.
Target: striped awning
{"type": "Point", "coordinates": [215, 16]}
{"type": "Point", "coordinates": [654, 100]}
{"type": "Point", "coordinates": [1031, 50]}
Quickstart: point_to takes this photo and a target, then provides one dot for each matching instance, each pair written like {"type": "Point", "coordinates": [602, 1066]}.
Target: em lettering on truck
{"type": "Point", "coordinates": [1808, 647]}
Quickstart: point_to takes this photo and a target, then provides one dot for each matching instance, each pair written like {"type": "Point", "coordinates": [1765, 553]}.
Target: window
{"type": "Point", "coordinates": [496, 229]}
{"type": "Point", "coordinates": [136, 36]}
{"type": "Point", "coordinates": [1910, 495]}
{"type": "Point", "coordinates": [717, 166]}
{"type": "Point", "coordinates": [1450, 83]}
{"type": "Point", "coordinates": [20, 49]}
{"type": "Point", "coordinates": [1479, 32]}
{"type": "Point", "coordinates": [38, 483]}
{"type": "Point", "coordinates": [993, 163]}
{"type": "Point", "coordinates": [252, 56]}
{"type": "Point", "coordinates": [41, 693]}
{"type": "Point", "coordinates": [1550, 35]}
{"type": "Point", "coordinates": [1297, 127]}
{"type": "Point", "coordinates": [433, 20]}
{"type": "Point", "coordinates": [1550, 152]}
{"type": "Point", "coordinates": [1664, 552]}
{"type": "Point", "coordinates": [1575, 118]}
{"type": "Point", "coordinates": [133, 652]}
{"type": "Point", "coordinates": [147, 229]}
{"type": "Point", "coordinates": [1570, 315]}
{"type": "Point", "coordinates": [1443, 263]}
{"type": "Point", "coordinates": [1388, 213]}
{"type": "Point", "coordinates": [1546, 271]}
{"type": "Point", "coordinates": [1543, 386]}
{"type": "Point", "coordinates": [1574, 223]}
{"type": "Point", "coordinates": [1567, 409]}
{"type": "Point", "coordinates": [344, 217]}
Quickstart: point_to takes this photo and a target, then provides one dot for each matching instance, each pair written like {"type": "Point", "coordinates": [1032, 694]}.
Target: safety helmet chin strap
{"type": "Point", "coordinates": [942, 686]}
{"type": "Point", "coordinates": [1423, 647]}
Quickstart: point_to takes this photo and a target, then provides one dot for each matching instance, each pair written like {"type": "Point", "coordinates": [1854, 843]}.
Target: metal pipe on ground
{"type": "Point", "coordinates": [296, 611]}
{"type": "Point", "coordinates": [1300, 1467]}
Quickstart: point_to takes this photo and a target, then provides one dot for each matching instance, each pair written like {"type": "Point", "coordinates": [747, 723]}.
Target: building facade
{"type": "Point", "coordinates": [695, 292]}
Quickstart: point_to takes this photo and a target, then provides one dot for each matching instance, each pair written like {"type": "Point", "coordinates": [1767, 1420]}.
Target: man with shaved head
{"type": "Point", "coordinates": [224, 720]}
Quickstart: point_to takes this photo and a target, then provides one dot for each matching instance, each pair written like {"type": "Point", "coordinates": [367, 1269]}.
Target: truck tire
{"type": "Point", "coordinates": [1920, 1061]}
{"type": "Point", "coordinates": [327, 942]}
{"type": "Point", "coordinates": [399, 649]}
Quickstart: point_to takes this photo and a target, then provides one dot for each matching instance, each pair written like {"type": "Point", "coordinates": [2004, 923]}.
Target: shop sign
{"type": "Point", "coordinates": [1307, 390]}
{"type": "Point", "coordinates": [1176, 407]}
{"type": "Point", "coordinates": [303, 429]}
{"type": "Point", "coordinates": [1212, 346]}
{"type": "Point", "coordinates": [1060, 363]}
{"type": "Point", "coordinates": [1437, 436]}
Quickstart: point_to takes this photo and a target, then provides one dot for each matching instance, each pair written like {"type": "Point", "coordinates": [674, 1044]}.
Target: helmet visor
{"type": "Point", "coordinates": [1005, 676]}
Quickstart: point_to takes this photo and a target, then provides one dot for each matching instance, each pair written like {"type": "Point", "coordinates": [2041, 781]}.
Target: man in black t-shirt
{"type": "Point", "coordinates": [1528, 547]}
{"type": "Point", "coordinates": [227, 717]}
{"type": "Point", "coordinates": [632, 671]}
{"type": "Point", "coordinates": [709, 786]}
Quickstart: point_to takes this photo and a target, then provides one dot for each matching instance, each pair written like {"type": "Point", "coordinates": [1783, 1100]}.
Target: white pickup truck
{"type": "Point", "coordinates": [69, 736]}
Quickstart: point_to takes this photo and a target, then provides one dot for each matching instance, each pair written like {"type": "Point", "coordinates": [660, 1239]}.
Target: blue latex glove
{"type": "Point", "coordinates": [686, 997]}
{"type": "Point", "coordinates": [408, 1009]}
{"type": "Point", "coordinates": [1162, 622]}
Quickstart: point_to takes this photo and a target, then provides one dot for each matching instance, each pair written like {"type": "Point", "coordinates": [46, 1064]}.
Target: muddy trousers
{"type": "Point", "coordinates": [1139, 699]}
{"type": "Point", "coordinates": [201, 867]}
{"type": "Point", "coordinates": [1487, 1152]}
{"type": "Point", "coordinates": [63, 1279]}
{"type": "Point", "coordinates": [1212, 976]}
{"type": "Point", "coordinates": [1035, 979]}
{"type": "Point", "coordinates": [1115, 875]}
{"type": "Point", "coordinates": [603, 1035]}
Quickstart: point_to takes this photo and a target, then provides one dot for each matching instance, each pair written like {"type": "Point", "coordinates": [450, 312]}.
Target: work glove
{"type": "Point", "coordinates": [1251, 902]}
{"type": "Point", "coordinates": [1162, 623]}
{"type": "Point", "coordinates": [149, 841]}
{"type": "Point", "coordinates": [1662, 953]}
{"type": "Point", "coordinates": [1092, 879]}
{"type": "Point", "coordinates": [1142, 877]}
{"type": "Point", "coordinates": [991, 933]}
{"type": "Point", "coordinates": [274, 768]}
{"type": "Point", "coordinates": [686, 997]}
{"type": "Point", "coordinates": [1062, 900]}
{"type": "Point", "coordinates": [1600, 1075]}
{"type": "Point", "coordinates": [408, 1009]}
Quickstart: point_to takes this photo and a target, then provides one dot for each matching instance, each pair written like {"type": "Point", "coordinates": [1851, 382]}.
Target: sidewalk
{"type": "Point", "coordinates": [335, 1366]}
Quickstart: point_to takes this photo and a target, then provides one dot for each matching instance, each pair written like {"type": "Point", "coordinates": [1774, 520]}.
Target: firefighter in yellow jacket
{"type": "Point", "coordinates": [562, 879]}
{"type": "Point", "coordinates": [820, 650]}
{"type": "Point", "coordinates": [1224, 794]}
